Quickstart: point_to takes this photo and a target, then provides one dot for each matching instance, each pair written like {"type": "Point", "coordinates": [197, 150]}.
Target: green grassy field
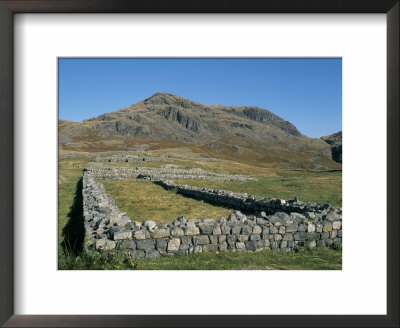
{"type": "Point", "coordinates": [143, 200]}
{"type": "Point", "coordinates": [315, 259]}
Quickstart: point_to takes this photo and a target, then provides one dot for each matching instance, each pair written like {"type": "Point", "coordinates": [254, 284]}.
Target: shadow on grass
{"type": "Point", "coordinates": [74, 230]}
{"type": "Point", "coordinates": [201, 199]}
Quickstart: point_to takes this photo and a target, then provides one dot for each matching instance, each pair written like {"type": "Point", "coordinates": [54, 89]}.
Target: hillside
{"type": "Point", "coordinates": [335, 141]}
{"type": "Point", "coordinates": [172, 123]}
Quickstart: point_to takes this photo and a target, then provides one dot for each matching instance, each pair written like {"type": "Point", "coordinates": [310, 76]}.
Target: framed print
{"type": "Point", "coordinates": [131, 199]}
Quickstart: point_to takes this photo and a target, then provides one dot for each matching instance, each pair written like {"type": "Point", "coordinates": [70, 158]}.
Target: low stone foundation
{"type": "Point", "coordinates": [246, 203]}
{"type": "Point", "coordinates": [107, 228]}
{"type": "Point", "coordinates": [157, 173]}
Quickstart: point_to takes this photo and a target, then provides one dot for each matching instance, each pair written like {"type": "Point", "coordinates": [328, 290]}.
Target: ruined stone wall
{"type": "Point", "coordinates": [200, 159]}
{"type": "Point", "coordinates": [245, 202]}
{"type": "Point", "coordinates": [103, 153]}
{"type": "Point", "coordinates": [157, 173]}
{"type": "Point", "coordinates": [107, 228]}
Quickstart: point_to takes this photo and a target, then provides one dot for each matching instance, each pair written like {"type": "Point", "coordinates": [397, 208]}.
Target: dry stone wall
{"type": "Point", "coordinates": [107, 229]}
{"type": "Point", "coordinates": [103, 153]}
{"type": "Point", "coordinates": [245, 202]}
{"type": "Point", "coordinates": [199, 159]}
{"type": "Point", "coordinates": [156, 173]}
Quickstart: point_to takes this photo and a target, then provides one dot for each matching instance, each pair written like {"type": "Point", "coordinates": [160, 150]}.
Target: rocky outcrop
{"type": "Point", "coordinates": [335, 141]}
{"type": "Point", "coordinates": [108, 229]}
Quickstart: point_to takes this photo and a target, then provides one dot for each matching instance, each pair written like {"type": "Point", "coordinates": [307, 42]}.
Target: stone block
{"type": "Point", "coordinates": [213, 239]}
{"type": "Point", "coordinates": [265, 231]}
{"type": "Point", "coordinates": [177, 232]}
{"type": "Point", "coordinates": [321, 243]}
{"type": "Point", "coordinates": [302, 228]}
{"type": "Point", "coordinates": [318, 227]}
{"type": "Point", "coordinates": [160, 233]}
{"type": "Point", "coordinates": [284, 244]}
{"type": "Point", "coordinates": [274, 244]}
{"type": "Point", "coordinates": [231, 239]}
{"type": "Point", "coordinates": [187, 240]}
{"type": "Point", "coordinates": [282, 230]}
{"type": "Point", "coordinates": [201, 240]}
{"type": "Point", "coordinates": [310, 215]}
{"type": "Point", "coordinates": [183, 247]}
{"type": "Point", "coordinates": [247, 230]}
{"type": "Point", "coordinates": [311, 227]}
{"type": "Point", "coordinates": [257, 230]}
{"type": "Point", "coordinates": [240, 246]}
{"type": "Point", "coordinates": [336, 225]}
{"type": "Point", "coordinates": [198, 249]}
{"type": "Point", "coordinates": [292, 228]}
{"type": "Point", "coordinates": [333, 234]}
{"type": "Point", "coordinates": [192, 231]}
{"type": "Point", "coordinates": [327, 226]}
{"type": "Point", "coordinates": [300, 236]}
{"type": "Point", "coordinates": [255, 237]}
{"type": "Point", "coordinates": [242, 237]}
{"type": "Point", "coordinates": [122, 235]}
{"type": "Point", "coordinates": [261, 221]}
{"type": "Point", "coordinates": [126, 244]}
{"type": "Point", "coordinates": [216, 230]}
{"type": "Point", "coordinates": [314, 236]}
{"type": "Point", "coordinates": [273, 230]}
{"type": "Point", "coordinates": [210, 248]}
{"type": "Point", "coordinates": [105, 245]}
{"type": "Point", "coordinates": [221, 239]}
{"type": "Point", "coordinates": [139, 235]}
{"type": "Point", "coordinates": [223, 246]}
{"type": "Point", "coordinates": [225, 229]}
{"type": "Point", "coordinates": [325, 235]}
{"type": "Point", "coordinates": [206, 229]}
{"type": "Point", "coordinates": [312, 244]}
{"type": "Point", "coordinates": [328, 242]}
{"type": "Point", "coordinates": [339, 233]}
{"type": "Point", "coordinates": [173, 245]}
{"type": "Point", "coordinates": [236, 229]}
{"type": "Point", "coordinates": [254, 245]}
{"type": "Point", "coordinates": [161, 245]}
{"type": "Point", "coordinates": [146, 244]}
{"type": "Point", "coordinates": [153, 254]}
{"type": "Point", "coordinates": [277, 237]}
{"type": "Point", "coordinates": [288, 236]}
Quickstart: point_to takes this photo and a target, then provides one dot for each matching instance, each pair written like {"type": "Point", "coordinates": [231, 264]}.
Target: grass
{"type": "Point", "coordinates": [143, 200]}
{"type": "Point", "coordinates": [315, 259]}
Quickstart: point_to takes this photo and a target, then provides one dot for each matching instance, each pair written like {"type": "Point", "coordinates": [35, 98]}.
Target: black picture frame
{"type": "Point", "coordinates": [10, 7]}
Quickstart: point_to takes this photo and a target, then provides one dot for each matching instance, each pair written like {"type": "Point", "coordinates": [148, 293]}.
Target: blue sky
{"type": "Point", "coordinates": [307, 92]}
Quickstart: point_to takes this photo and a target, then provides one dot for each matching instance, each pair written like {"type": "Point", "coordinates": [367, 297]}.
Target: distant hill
{"type": "Point", "coordinates": [335, 141]}
{"type": "Point", "coordinates": [167, 121]}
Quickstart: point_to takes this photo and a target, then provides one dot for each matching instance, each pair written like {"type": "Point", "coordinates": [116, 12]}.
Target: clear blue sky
{"type": "Point", "coordinates": [306, 92]}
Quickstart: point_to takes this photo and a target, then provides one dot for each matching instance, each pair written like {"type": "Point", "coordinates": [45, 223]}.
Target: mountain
{"type": "Point", "coordinates": [167, 121]}
{"type": "Point", "coordinates": [335, 141]}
